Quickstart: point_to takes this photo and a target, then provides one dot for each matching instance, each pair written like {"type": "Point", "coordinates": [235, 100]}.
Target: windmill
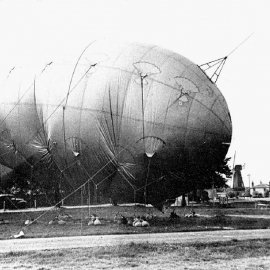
{"type": "Point", "coordinates": [238, 184]}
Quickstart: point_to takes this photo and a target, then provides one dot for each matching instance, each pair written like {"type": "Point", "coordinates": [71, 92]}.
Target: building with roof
{"type": "Point", "coordinates": [262, 189]}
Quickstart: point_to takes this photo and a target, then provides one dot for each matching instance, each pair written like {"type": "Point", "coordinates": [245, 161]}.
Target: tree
{"type": "Point", "coordinates": [205, 170]}
{"type": "Point", "coordinates": [26, 181]}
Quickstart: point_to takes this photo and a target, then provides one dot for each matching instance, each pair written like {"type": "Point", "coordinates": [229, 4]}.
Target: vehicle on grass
{"type": "Point", "coordinates": [259, 195]}
{"type": "Point", "coordinates": [9, 201]}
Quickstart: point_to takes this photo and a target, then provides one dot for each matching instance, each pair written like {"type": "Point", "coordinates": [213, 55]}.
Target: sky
{"type": "Point", "coordinates": [35, 32]}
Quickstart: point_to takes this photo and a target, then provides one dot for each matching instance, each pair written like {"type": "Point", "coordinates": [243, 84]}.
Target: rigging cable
{"type": "Point", "coordinates": [220, 62]}
{"type": "Point", "coordinates": [69, 87]}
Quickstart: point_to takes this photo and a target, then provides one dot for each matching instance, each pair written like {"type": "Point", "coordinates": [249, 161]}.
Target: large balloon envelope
{"type": "Point", "coordinates": [122, 117]}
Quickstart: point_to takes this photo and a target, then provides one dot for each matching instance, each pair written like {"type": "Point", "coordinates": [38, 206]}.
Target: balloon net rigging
{"type": "Point", "coordinates": [79, 162]}
{"type": "Point", "coordinates": [216, 66]}
{"type": "Point", "coordinates": [47, 154]}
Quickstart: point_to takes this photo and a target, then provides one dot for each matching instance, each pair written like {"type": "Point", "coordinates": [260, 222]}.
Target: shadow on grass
{"type": "Point", "coordinates": [216, 219]}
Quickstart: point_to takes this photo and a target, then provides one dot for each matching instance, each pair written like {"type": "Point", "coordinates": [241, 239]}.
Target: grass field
{"type": "Point", "coordinates": [209, 219]}
{"type": "Point", "coordinates": [252, 254]}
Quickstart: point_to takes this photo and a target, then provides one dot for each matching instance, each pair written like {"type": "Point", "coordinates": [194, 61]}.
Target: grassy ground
{"type": "Point", "coordinates": [252, 254]}
{"type": "Point", "coordinates": [214, 218]}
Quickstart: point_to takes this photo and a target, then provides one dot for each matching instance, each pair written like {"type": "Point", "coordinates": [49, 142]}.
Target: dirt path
{"type": "Point", "coordinates": [112, 240]}
{"type": "Point", "coordinates": [251, 216]}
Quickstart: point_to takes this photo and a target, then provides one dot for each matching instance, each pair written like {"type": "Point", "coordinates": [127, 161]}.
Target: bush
{"type": "Point", "coordinates": [256, 194]}
{"type": "Point", "coordinates": [231, 194]}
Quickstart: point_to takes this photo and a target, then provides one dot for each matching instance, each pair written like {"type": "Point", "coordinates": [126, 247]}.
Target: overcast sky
{"type": "Point", "coordinates": [34, 33]}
